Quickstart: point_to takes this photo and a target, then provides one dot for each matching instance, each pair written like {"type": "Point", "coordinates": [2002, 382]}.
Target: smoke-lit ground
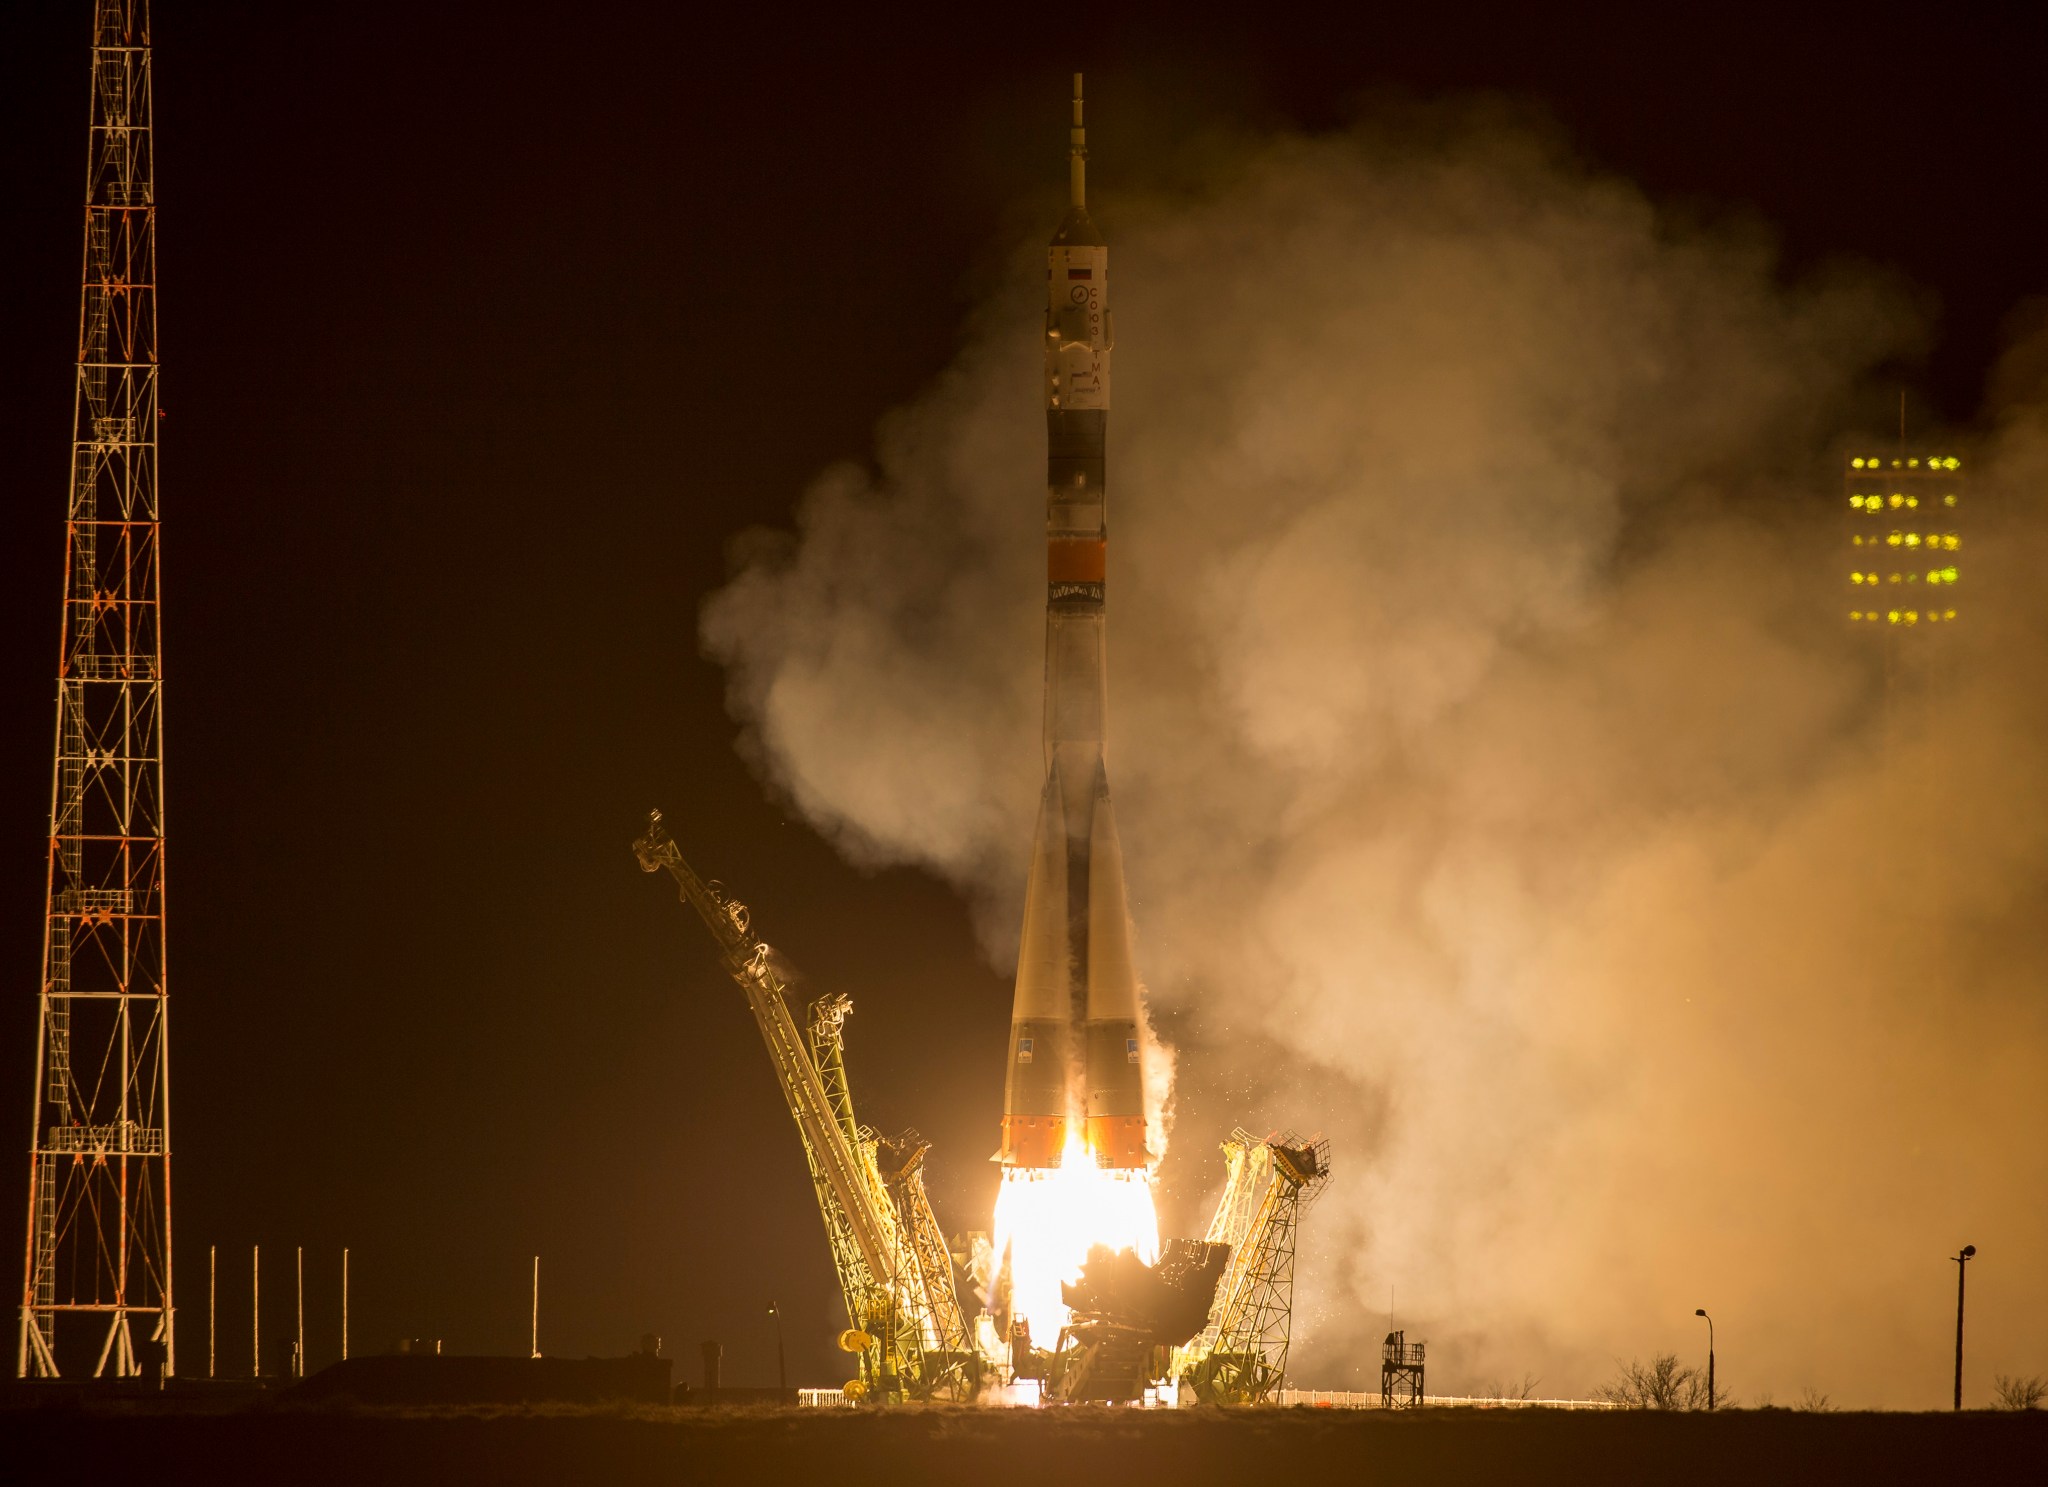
{"type": "Point", "coordinates": [1504, 792]}
{"type": "Point", "coordinates": [1000, 1447]}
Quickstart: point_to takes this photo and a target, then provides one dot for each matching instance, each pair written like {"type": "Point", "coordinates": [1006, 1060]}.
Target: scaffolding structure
{"type": "Point", "coordinates": [900, 1163]}
{"type": "Point", "coordinates": [1240, 1356]}
{"type": "Point", "coordinates": [1401, 1369]}
{"type": "Point", "coordinates": [903, 1316]}
{"type": "Point", "coordinates": [97, 1265]}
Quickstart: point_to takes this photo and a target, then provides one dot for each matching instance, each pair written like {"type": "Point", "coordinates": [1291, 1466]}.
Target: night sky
{"type": "Point", "coordinates": [484, 334]}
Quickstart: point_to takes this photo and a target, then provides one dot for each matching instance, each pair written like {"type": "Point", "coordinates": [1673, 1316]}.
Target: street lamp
{"type": "Point", "coordinates": [1962, 1268]}
{"type": "Point", "coordinates": [1702, 1312]}
{"type": "Point", "coordinates": [781, 1358]}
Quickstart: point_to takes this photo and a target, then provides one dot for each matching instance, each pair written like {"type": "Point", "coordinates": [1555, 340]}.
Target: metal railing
{"type": "Point", "coordinates": [1358, 1399]}
{"type": "Point", "coordinates": [122, 1138]}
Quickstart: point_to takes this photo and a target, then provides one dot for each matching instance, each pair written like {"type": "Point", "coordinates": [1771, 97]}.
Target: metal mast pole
{"type": "Point", "coordinates": [1962, 1262]}
{"type": "Point", "coordinates": [1962, 1270]}
{"type": "Point", "coordinates": [98, 1254]}
{"type": "Point", "coordinates": [1702, 1312]}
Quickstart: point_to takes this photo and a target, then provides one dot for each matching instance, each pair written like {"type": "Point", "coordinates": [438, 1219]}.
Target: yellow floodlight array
{"type": "Point", "coordinates": [1902, 510]}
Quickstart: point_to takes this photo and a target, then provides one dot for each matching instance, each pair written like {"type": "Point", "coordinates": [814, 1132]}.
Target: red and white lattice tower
{"type": "Point", "coordinates": [97, 1278]}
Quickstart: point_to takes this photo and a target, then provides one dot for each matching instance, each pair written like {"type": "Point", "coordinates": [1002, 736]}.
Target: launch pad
{"type": "Point", "coordinates": [1076, 1299]}
{"type": "Point", "coordinates": [1209, 1322]}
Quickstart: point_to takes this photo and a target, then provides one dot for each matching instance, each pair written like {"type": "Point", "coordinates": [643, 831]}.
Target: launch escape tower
{"type": "Point", "coordinates": [97, 1270]}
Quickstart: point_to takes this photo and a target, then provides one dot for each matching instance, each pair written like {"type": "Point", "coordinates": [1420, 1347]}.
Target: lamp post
{"type": "Point", "coordinates": [781, 1358]}
{"type": "Point", "coordinates": [1702, 1312]}
{"type": "Point", "coordinates": [1962, 1268]}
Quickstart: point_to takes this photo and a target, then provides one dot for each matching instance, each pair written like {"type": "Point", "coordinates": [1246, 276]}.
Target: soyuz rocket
{"type": "Point", "coordinates": [1076, 1064]}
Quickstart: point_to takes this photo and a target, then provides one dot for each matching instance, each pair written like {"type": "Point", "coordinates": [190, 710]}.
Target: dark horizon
{"type": "Point", "coordinates": [482, 346]}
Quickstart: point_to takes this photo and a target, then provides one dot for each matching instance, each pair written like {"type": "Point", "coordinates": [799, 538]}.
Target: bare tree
{"type": "Point", "coordinates": [1502, 1389]}
{"type": "Point", "coordinates": [1662, 1384]}
{"type": "Point", "coordinates": [1814, 1402]}
{"type": "Point", "coordinates": [2014, 1393]}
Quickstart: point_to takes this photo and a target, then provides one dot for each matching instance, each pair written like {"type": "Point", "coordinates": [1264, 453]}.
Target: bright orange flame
{"type": "Point", "coordinates": [1048, 1218]}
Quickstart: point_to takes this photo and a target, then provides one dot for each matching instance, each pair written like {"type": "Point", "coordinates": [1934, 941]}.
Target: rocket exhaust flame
{"type": "Point", "coordinates": [1047, 1220]}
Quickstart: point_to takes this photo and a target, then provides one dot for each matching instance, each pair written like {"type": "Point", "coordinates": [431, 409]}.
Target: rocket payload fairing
{"type": "Point", "coordinates": [1075, 1054]}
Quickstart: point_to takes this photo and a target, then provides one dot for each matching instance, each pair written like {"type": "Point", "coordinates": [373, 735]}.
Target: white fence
{"type": "Point", "coordinates": [1326, 1399]}
{"type": "Point", "coordinates": [1360, 1399]}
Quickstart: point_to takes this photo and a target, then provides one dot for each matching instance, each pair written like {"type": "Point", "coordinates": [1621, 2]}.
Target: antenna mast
{"type": "Point", "coordinates": [96, 1282]}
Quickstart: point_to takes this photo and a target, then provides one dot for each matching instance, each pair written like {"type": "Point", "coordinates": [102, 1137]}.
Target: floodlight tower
{"type": "Point", "coordinates": [1905, 539]}
{"type": "Point", "coordinates": [97, 1276]}
{"type": "Point", "coordinates": [1904, 530]}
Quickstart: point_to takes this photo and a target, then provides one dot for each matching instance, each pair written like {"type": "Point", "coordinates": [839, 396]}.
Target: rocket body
{"type": "Point", "coordinates": [1075, 1055]}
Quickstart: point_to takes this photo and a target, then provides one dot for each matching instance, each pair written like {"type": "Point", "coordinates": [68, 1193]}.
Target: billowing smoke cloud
{"type": "Point", "coordinates": [1504, 791]}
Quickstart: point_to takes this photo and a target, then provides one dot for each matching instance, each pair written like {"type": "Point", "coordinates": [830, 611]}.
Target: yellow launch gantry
{"type": "Point", "coordinates": [895, 1270]}
{"type": "Point", "coordinates": [1240, 1357]}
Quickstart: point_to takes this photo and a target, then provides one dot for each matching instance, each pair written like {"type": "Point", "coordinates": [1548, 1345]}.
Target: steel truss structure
{"type": "Point", "coordinates": [1402, 1364]}
{"type": "Point", "coordinates": [903, 1316]}
{"type": "Point", "coordinates": [97, 1271]}
{"type": "Point", "coordinates": [1240, 1357]}
{"type": "Point", "coordinates": [900, 1161]}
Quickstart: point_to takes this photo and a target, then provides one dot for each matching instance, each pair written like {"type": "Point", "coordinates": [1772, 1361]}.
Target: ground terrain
{"type": "Point", "coordinates": [272, 1441]}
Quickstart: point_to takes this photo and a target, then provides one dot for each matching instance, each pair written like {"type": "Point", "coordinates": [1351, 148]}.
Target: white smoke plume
{"type": "Point", "coordinates": [1503, 789]}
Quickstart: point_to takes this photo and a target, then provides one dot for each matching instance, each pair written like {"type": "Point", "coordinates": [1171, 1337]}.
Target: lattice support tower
{"type": "Point", "coordinates": [900, 1160]}
{"type": "Point", "coordinates": [96, 1287]}
{"type": "Point", "coordinates": [895, 1324]}
{"type": "Point", "coordinates": [916, 1322]}
{"type": "Point", "coordinates": [1248, 1168]}
{"type": "Point", "coordinates": [1241, 1356]}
